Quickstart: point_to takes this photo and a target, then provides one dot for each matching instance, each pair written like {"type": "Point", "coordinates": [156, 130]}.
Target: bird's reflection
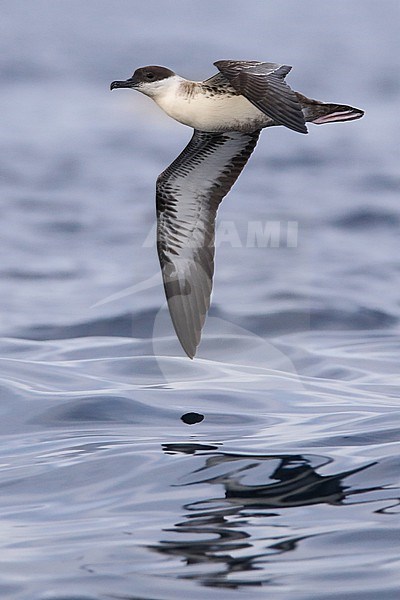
{"type": "Point", "coordinates": [227, 539]}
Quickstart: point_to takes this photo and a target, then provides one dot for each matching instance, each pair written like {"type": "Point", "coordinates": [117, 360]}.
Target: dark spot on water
{"type": "Point", "coordinates": [386, 86]}
{"type": "Point", "coordinates": [61, 226]}
{"type": "Point", "coordinates": [111, 409]}
{"type": "Point", "coordinates": [380, 182]}
{"type": "Point", "coordinates": [192, 418]}
{"type": "Point", "coordinates": [385, 436]}
{"type": "Point", "coordinates": [367, 218]}
{"type": "Point", "coordinates": [318, 319]}
{"type": "Point", "coordinates": [296, 160]}
{"type": "Point", "coordinates": [125, 325]}
{"type": "Point", "coordinates": [36, 274]}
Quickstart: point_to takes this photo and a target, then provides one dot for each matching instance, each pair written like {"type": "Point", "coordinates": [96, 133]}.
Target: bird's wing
{"type": "Point", "coordinates": [189, 192]}
{"type": "Point", "coordinates": [263, 84]}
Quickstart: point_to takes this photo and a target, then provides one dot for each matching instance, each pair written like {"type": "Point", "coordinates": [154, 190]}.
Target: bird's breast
{"type": "Point", "coordinates": [213, 111]}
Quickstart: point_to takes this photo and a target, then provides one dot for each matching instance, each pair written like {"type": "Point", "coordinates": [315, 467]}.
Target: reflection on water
{"type": "Point", "coordinates": [230, 535]}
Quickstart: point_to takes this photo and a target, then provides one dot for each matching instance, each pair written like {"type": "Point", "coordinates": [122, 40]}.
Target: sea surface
{"type": "Point", "coordinates": [268, 467]}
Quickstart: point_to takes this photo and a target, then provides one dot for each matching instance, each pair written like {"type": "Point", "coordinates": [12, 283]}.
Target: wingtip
{"type": "Point", "coordinates": [189, 353]}
{"type": "Point", "coordinates": [220, 64]}
{"type": "Point", "coordinates": [189, 346]}
{"type": "Point", "coordinates": [298, 128]}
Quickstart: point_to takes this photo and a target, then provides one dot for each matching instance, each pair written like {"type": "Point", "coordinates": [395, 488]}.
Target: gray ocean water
{"type": "Point", "coordinates": [268, 467]}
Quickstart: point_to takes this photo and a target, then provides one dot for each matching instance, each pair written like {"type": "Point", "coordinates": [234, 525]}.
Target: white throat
{"type": "Point", "coordinates": [160, 89]}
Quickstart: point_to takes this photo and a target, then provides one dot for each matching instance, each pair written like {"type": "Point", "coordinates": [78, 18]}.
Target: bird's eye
{"type": "Point", "coordinates": [150, 76]}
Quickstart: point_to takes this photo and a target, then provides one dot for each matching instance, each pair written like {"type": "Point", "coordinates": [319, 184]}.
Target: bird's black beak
{"type": "Point", "coordinates": [128, 83]}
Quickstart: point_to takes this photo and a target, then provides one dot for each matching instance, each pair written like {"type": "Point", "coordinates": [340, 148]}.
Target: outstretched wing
{"type": "Point", "coordinates": [189, 192]}
{"type": "Point", "coordinates": [263, 84]}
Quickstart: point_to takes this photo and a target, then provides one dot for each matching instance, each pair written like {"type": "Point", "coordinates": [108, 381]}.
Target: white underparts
{"type": "Point", "coordinates": [207, 111]}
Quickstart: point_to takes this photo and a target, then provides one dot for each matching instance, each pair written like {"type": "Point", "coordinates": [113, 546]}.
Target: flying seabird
{"type": "Point", "coordinates": [227, 112]}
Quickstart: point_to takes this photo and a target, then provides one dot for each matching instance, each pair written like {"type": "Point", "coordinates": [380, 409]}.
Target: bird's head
{"type": "Point", "coordinates": [148, 80]}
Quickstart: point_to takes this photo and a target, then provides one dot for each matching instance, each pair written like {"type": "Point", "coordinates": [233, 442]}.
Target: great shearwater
{"type": "Point", "coordinates": [227, 112]}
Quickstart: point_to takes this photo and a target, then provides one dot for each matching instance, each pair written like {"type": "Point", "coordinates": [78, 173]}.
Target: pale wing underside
{"type": "Point", "coordinates": [189, 192]}
{"type": "Point", "coordinates": [263, 84]}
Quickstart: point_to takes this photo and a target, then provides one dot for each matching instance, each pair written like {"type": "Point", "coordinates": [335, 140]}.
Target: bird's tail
{"type": "Point", "coordinates": [324, 112]}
